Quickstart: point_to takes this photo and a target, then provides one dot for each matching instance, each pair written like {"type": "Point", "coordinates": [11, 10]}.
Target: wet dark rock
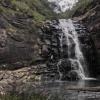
{"type": "Point", "coordinates": [65, 66]}
{"type": "Point", "coordinates": [3, 38]}
{"type": "Point", "coordinates": [74, 75]}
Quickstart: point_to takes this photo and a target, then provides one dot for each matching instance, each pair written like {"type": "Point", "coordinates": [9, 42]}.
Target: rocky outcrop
{"type": "Point", "coordinates": [15, 81]}
{"type": "Point", "coordinates": [17, 46]}
{"type": "Point", "coordinates": [19, 25]}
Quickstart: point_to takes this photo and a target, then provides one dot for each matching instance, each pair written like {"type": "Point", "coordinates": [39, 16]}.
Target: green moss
{"type": "Point", "coordinates": [19, 5]}
{"type": "Point", "coordinates": [38, 17]}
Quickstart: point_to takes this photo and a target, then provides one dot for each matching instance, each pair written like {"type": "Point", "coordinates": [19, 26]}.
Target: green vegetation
{"type": "Point", "coordinates": [23, 97]}
{"type": "Point", "coordinates": [38, 9]}
{"type": "Point", "coordinates": [80, 7]}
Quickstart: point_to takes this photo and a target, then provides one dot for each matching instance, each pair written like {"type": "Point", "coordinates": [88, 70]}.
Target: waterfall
{"type": "Point", "coordinates": [73, 43]}
{"type": "Point", "coordinates": [65, 60]}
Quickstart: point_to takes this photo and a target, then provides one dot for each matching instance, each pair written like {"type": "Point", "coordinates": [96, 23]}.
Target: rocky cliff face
{"type": "Point", "coordinates": [19, 25]}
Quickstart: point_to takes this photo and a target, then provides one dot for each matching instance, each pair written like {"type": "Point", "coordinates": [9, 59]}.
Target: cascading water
{"type": "Point", "coordinates": [73, 43]}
